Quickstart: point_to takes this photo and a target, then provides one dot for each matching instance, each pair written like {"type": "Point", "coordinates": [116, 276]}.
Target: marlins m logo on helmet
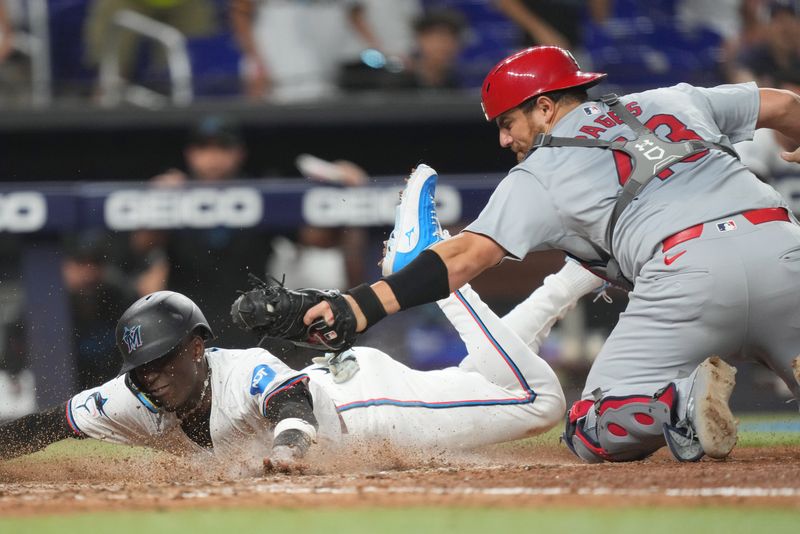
{"type": "Point", "coordinates": [132, 337]}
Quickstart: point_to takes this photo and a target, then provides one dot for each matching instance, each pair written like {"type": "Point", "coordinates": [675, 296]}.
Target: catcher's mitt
{"type": "Point", "coordinates": [272, 310]}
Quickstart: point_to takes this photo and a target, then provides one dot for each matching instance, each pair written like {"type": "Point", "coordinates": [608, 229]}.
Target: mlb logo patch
{"type": "Point", "coordinates": [591, 110]}
{"type": "Point", "coordinates": [726, 226]}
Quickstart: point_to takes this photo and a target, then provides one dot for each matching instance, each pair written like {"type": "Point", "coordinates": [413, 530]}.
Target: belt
{"type": "Point", "coordinates": [758, 216]}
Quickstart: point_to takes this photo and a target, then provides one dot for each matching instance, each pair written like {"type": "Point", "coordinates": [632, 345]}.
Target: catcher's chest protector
{"type": "Point", "coordinates": [650, 155]}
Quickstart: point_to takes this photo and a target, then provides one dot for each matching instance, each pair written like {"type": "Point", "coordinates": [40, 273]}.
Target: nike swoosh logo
{"type": "Point", "coordinates": [668, 260]}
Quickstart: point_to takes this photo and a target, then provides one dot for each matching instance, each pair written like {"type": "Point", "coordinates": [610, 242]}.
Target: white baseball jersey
{"type": "Point", "coordinates": [501, 390]}
{"type": "Point", "coordinates": [242, 384]}
{"type": "Point", "coordinates": [563, 198]}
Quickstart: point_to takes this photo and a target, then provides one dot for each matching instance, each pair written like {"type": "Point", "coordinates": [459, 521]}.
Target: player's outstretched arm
{"type": "Point", "coordinates": [433, 275]}
{"type": "Point", "coordinates": [780, 110]}
{"type": "Point", "coordinates": [290, 410]}
{"type": "Point", "coordinates": [34, 432]}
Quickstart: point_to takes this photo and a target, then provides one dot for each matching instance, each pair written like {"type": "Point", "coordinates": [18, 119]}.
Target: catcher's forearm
{"type": "Point", "coordinates": [423, 280]}
{"type": "Point", "coordinates": [432, 275]}
{"type": "Point", "coordinates": [34, 432]}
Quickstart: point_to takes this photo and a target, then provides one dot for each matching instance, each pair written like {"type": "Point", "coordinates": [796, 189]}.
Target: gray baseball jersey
{"type": "Point", "coordinates": [562, 198]}
{"type": "Point", "coordinates": [731, 290]}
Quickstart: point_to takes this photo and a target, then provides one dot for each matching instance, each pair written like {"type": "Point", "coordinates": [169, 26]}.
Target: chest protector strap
{"type": "Point", "coordinates": [650, 155]}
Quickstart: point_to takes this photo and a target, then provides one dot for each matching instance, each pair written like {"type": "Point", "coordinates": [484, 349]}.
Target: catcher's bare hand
{"type": "Point", "coordinates": [793, 156]}
{"type": "Point", "coordinates": [319, 311]}
{"type": "Point", "coordinates": [323, 311]}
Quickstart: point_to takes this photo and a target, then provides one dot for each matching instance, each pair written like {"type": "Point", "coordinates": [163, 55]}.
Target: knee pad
{"type": "Point", "coordinates": [625, 428]}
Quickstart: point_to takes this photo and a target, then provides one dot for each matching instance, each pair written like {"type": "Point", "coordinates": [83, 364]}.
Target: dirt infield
{"type": "Point", "coordinates": [507, 476]}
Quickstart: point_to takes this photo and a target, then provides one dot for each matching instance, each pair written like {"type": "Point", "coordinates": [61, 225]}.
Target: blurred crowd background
{"type": "Point", "coordinates": [107, 51]}
{"type": "Point", "coordinates": [176, 93]}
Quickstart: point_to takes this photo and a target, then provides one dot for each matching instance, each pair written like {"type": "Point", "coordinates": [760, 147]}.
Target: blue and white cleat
{"type": "Point", "coordinates": [416, 226]}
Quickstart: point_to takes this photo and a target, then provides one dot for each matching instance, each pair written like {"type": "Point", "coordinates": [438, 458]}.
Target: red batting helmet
{"type": "Point", "coordinates": [529, 73]}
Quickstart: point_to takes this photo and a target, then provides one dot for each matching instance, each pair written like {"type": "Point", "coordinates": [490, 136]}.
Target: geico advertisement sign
{"type": "Point", "coordinates": [183, 208]}
{"type": "Point", "coordinates": [328, 206]}
{"type": "Point", "coordinates": [22, 211]}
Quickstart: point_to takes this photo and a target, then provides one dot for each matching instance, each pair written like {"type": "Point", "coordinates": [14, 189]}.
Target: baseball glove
{"type": "Point", "coordinates": [269, 309]}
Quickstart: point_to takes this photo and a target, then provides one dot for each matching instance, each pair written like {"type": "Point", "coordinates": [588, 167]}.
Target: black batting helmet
{"type": "Point", "coordinates": [154, 325]}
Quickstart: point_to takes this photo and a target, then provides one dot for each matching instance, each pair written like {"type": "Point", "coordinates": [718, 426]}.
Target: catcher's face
{"type": "Point", "coordinates": [519, 126]}
{"type": "Point", "coordinates": [176, 380]}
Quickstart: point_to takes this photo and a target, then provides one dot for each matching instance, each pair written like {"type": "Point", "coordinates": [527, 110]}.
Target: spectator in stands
{"type": "Point", "coordinates": [144, 263]}
{"type": "Point", "coordinates": [194, 18]}
{"type": "Point", "coordinates": [13, 358]}
{"type": "Point", "coordinates": [778, 51]}
{"type": "Point", "coordinates": [15, 68]}
{"type": "Point", "coordinates": [438, 41]}
{"type": "Point", "coordinates": [6, 33]}
{"type": "Point", "coordinates": [385, 25]}
{"type": "Point", "coordinates": [211, 264]}
{"type": "Point", "coordinates": [323, 256]}
{"type": "Point", "coordinates": [292, 48]}
{"type": "Point", "coordinates": [728, 19]}
{"type": "Point", "coordinates": [214, 152]}
{"type": "Point", "coordinates": [96, 297]}
{"type": "Point", "coordinates": [546, 22]}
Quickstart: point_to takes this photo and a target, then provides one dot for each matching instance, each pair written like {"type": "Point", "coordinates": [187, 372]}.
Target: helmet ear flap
{"type": "Point", "coordinates": [149, 402]}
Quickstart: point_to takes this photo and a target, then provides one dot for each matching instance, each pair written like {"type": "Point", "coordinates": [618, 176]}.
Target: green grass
{"type": "Point", "coordinates": [748, 437]}
{"type": "Point", "coordinates": [765, 430]}
{"type": "Point", "coordinates": [82, 448]}
{"type": "Point", "coordinates": [708, 520]}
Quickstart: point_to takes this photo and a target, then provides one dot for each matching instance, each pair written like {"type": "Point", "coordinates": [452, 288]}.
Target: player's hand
{"type": "Point", "coordinates": [6, 45]}
{"type": "Point", "coordinates": [170, 178]}
{"type": "Point", "coordinates": [258, 82]}
{"type": "Point", "coordinates": [319, 311]}
{"type": "Point", "coordinates": [323, 311]}
{"type": "Point", "coordinates": [284, 460]}
{"type": "Point", "coordinates": [793, 157]}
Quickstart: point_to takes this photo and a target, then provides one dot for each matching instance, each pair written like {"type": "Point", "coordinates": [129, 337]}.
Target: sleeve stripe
{"type": "Point", "coordinates": [71, 420]}
{"type": "Point", "coordinates": [283, 387]}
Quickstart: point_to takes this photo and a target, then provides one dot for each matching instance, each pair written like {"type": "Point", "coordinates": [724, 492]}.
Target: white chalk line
{"type": "Point", "coordinates": [462, 491]}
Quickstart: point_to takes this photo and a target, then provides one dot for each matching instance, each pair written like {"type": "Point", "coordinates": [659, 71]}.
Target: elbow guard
{"type": "Point", "coordinates": [292, 402]}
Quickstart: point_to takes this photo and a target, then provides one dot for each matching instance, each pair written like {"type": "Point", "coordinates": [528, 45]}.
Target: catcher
{"type": "Point", "coordinates": [174, 393]}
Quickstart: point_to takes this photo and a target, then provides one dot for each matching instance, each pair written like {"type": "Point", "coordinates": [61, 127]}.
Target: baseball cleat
{"type": "Point", "coordinates": [709, 427]}
{"type": "Point", "coordinates": [708, 411]}
{"type": "Point", "coordinates": [416, 226]}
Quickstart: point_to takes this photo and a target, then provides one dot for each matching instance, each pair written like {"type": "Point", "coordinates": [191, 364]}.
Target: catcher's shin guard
{"type": "Point", "coordinates": [621, 429]}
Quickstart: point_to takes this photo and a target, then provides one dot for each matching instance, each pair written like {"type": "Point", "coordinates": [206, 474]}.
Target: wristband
{"type": "Point", "coordinates": [422, 281]}
{"type": "Point", "coordinates": [369, 303]}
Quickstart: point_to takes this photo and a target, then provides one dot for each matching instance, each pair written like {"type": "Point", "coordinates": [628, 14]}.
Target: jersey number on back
{"type": "Point", "coordinates": [677, 132]}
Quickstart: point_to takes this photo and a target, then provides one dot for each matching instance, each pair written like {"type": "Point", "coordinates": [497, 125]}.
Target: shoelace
{"type": "Point", "coordinates": [602, 293]}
